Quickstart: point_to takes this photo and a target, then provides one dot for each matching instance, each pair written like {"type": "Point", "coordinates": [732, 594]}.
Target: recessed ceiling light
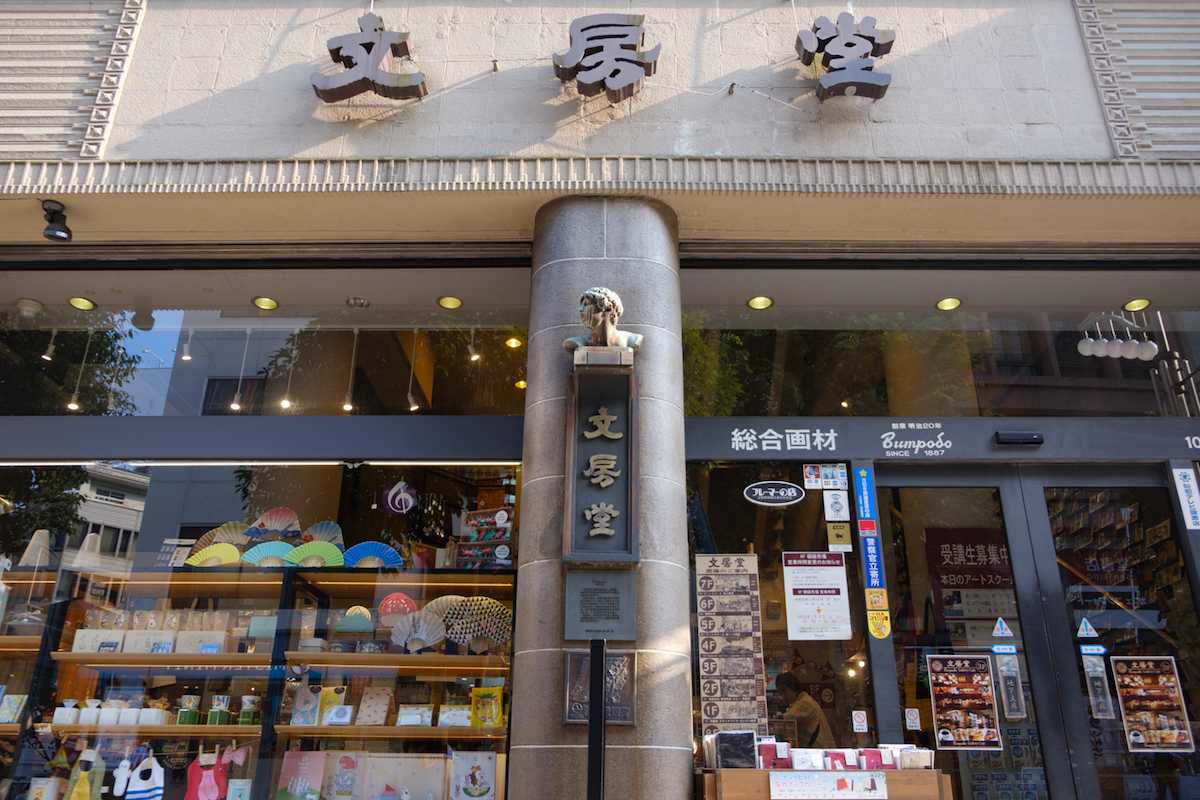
{"type": "Point", "coordinates": [760, 302]}
{"type": "Point", "coordinates": [82, 303]}
{"type": "Point", "coordinates": [949, 303]}
{"type": "Point", "coordinates": [265, 303]}
{"type": "Point", "coordinates": [449, 302]}
{"type": "Point", "coordinates": [513, 342]}
{"type": "Point", "coordinates": [358, 302]}
{"type": "Point", "coordinates": [520, 384]}
{"type": "Point", "coordinates": [1137, 305]}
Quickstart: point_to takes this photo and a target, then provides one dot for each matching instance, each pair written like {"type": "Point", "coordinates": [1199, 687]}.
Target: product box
{"type": "Point", "coordinates": [152, 716]}
{"type": "Point", "coordinates": [129, 716]}
{"type": "Point", "coordinates": [156, 641]}
{"type": "Point", "coordinates": [263, 627]}
{"type": "Point", "coordinates": [841, 759]}
{"type": "Point", "coordinates": [89, 716]}
{"type": "Point", "coordinates": [870, 758]}
{"type": "Point", "coordinates": [218, 716]}
{"type": "Point", "coordinates": [916, 759]}
{"type": "Point", "coordinates": [188, 716]}
{"type": "Point", "coordinates": [768, 757]}
{"type": "Point", "coordinates": [193, 641]}
{"type": "Point", "coordinates": [413, 715]}
{"type": "Point", "coordinates": [807, 758]}
{"type": "Point", "coordinates": [99, 641]}
{"type": "Point", "coordinates": [450, 716]}
{"type": "Point", "coordinates": [66, 716]}
{"type": "Point", "coordinates": [338, 715]}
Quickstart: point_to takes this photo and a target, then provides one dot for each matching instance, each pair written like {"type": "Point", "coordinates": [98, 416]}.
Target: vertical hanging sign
{"type": "Point", "coordinates": [733, 686]}
{"type": "Point", "coordinates": [879, 618]}
{"type": "Point", "coordinates": [601, 501]}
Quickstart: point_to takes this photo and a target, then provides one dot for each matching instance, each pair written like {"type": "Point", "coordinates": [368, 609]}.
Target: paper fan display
{"type": "Point", "coordinates": [372, 554]}
{"type": "Point", "coordinates": [278, 520]}
{"type": "Point", "coordinates": [357, 620]}
{"type": "Point", "coordinates": [229, 533]}
{"type": "Point", "coordinates": [395, 606]}
{"type": "Point", "coordinates": [418, 631]}
{"type": "Point", "coordinates": [315, 554]}
{"type": "Point", "coordinates": [440, 605]}
{"type": "Point", "coordinates": [326, 532]}
{"type": "Point", "coordinates": [491, 622]}
{"type": "Point", "coordinates": [268, 554]}
{"type": "Point", "coordinates": [215, 555]}
{"type": "Point", "coordinates": [468, 607]}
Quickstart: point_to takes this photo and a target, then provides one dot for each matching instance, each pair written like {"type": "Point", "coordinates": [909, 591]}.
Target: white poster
{"type": "Point", "coordinates": [816, 595]}
{"type": "Point", "coordinates": [837, 505]}
{"type": "Point", "coordinates": [1189, 497]}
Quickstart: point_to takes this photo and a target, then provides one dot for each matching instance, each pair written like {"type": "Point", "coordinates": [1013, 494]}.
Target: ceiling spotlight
{"type": "Point", "coordinates": [143, 320]}
{"type": "Point", "coordinates": [471, 350]}
{"type": "Point", "coordinates": [948, 303]}
{"type": "Point", "coordinates": [347, 404]}
{"type": "Point", "coordinates": [1139, 304]}
{"type": "Point", "coordinates": [112, 402]}
{"type": "Point", "coordinates": [851, 673]}
{"type": "Point", "coordinates": [57, 230]}
{"type": "Point", "coordinates": [49, 354]}
{"type": "Point", "coordinates": [513, 342]}
{"type": "Point", "coordinates": [358, 302]}
{"type": "Point", "coordinates": [29, 309]}
{"type": "Point", "coordinates": [845, 404]}
{"type": "Point", "coordinates": [759, 303]}
{"type": "Point", "coordinates": [236, 405]}
{"type": "Point", "coordinates": [862, 663]}
{"type": "Point", "coordinates": [285, 403]}
{"type": "Point", "coordinates": [187, 352]}
{"type": "Point", "coordinates": [413, 405]}
{"type": "Point", "coordinates": [449, 302]}
{"type": "Point", "coordinates": [74, 404]}
{"type": "Point", "coordinates": [82, 303]}
{"type": "Point", "coordinates": [520, 384]}
{"type": "Point", "coordinates": [265, 303]}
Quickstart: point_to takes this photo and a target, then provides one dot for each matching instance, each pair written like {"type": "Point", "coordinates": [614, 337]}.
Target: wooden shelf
{"type": "Point", "coordinates": [432, 664]}
{"type": "Point", "coordinates": [755, 784]}
{"type": "Point", "coordinates": [217, 582]}
{"type": "Point", "coordinates": [162, 731]}
{"type": "Point", "coordinates": [372, 586]}
{"type": "Point", "coordinates": [9, 729]}
{"type": "Point", "coordinates": [19, 647]}
{"type": "Point", "coordinates": [164, 661]}
{"type": "Point", "coordinates": [389, 732]}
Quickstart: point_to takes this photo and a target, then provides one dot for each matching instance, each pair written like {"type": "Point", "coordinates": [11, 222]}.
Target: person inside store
{"type": "Point", "coordinates": [812, 728]}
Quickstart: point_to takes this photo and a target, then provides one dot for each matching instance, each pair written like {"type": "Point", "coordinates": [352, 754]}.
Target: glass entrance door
{"type": "Point", "coordinates": [1044, 628]}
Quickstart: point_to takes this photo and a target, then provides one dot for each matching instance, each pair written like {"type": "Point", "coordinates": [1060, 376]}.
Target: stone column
{"type": "Point", "coordinates": [629, 245]}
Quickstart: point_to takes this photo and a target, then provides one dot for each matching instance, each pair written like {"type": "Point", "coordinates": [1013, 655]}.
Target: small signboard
{"type": "Point", "coordinates": [1189, 497]}
{"type": "Point", "coordinates": [620, 687]}
{"type": "Point", "coordinates": [816, 596]}
{"type": "Point", "coordinates": [1152, 708]}
{"type": "Point", "coordinates": [733, 685]}
{"type": "Point", "coordinates": [963, 703]}
{"type": "Point", "coordinates": [601, 604]}
{"type": "Point", "coordinates": [773, 493]}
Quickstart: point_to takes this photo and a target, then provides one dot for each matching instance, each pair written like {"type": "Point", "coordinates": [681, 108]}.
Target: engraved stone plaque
{"type": "Point", "coordinates": [601, 604]}
{"type": "Point", "coordinates": [620, 685]}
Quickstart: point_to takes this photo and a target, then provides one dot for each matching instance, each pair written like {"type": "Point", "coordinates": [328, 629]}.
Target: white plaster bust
{"type": "Point", "coordinates": [599, 311]}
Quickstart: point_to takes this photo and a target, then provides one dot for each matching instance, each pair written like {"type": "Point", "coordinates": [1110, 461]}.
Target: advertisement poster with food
{"type": "Point", "coordinates": [1152, 708]}
{"type": "Point", "coordinates": [964, 703]}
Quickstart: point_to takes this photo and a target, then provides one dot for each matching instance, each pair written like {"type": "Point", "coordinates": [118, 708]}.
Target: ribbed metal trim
{"type": "Point", "coordinates": [608, 175]}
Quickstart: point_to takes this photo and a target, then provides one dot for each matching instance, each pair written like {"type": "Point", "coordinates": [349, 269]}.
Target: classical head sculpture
{"type": "Point", "coordinates": [599, 311]}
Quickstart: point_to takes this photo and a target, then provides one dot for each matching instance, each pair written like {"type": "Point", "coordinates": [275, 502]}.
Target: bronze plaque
{"type": "Point", "coordinates": [620, 684]}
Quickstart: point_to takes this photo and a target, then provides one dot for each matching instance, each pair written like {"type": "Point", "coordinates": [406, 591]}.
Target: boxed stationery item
{"type": "Point", "coordinates": [736, 749]}
{"type": "Point", "coordinates": [200, 642]}
{"type": "Point", "coordinates": [841, 759]}
{"type": "Point", "coordinates": [807, 758]}
{"type": "Point", "coordinates": [154, 641]}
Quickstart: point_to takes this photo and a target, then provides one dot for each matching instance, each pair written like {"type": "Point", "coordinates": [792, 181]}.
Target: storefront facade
{"type": "Point", "coordinates": [353, 305]}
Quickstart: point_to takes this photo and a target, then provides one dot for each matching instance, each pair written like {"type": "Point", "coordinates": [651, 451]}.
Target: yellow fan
{"type": "Point", "coordinates": [215, 555]}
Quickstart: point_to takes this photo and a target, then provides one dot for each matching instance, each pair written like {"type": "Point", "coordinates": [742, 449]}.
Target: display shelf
{"type": "Point", "coordinates": [19, 647]}
{"type": "Point", "coordinates": [755, 784]}
{"type": "Point", "coordinates": [160, 731]}
{"type": "Point", "coordinates": [432, 664]}
{"type": "Point", "coordinates": [9, 729]}
{"type": "Point", "coordinates": [211, 582]}
{"type": "Point", "coordinates": [163, 661]}
{"type": "Point", "coordinates": [369, 585]}
{"type": "Point", "coordinates": [425, 732]}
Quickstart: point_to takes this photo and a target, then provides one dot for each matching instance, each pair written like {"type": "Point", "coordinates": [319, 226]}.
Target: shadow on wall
{"type": "Point", "coordinates": [212, 81]}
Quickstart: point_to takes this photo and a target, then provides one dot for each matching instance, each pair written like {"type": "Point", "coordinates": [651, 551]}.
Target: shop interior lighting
{"type": "Point", "coordinates": [413, 405]}
{"type": "Point", "coordinates": [851, 673]}
{"type": "Point", "coordinates": [287, 393]}
{"type": "Point", "coordinates": [82, 303]}
{"type": "Point", "coordinates": [265, 303]}
{"type": "Point", "coordinates": [236, 405]}
{"type": "Point", "coordinates": [450, 302]}
{"type": "Point", "coordinates": [1140, 304]}
{"type": "Point", "coordinates": [471, 347]}
{"type": "Point", "coordinates": [514, 342]}
{"type": "Point", "coordinates": [845, 404]}
{"type": "Point", "coordinates": [521, 384]}
{"type": "Point", "coordinates": [112, 401]}
{"type": "Point", "coordinates": [187, 346]}
{"type": "Point", "coordinates": [74, 403]}
{"type": "Point", "coordinates": [948, 303]}
{"type": "Point", "coordinates": [57, 230]}
{"type": "Point", "coordinates": [29, 309]}
{"type": "Point", "coordinates": [358, 302]}
{"type": "Point", "coordinates": [349, 404]}
{"type": "Point", "coordinates": [760, 303]}
{"type": "Point", "coordinates": [49, 354]}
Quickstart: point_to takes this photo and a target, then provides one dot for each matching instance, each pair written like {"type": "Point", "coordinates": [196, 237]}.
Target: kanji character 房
{"type": "Point", "coordinates": [602, 469]}
{"type": "Point", "coordinates": [604, 56]}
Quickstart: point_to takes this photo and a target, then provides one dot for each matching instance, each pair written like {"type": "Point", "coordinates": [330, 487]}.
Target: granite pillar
{"type": "Point", "coordinates": [629, 245]}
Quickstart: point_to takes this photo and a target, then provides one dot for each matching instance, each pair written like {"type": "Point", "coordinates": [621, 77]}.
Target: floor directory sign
{"type": "Point", "coordinates": [964, 703]}
{"type": "Point", "coordinates": [733, 686]}
{"type": "Point", "coordinates": [1152, 708]}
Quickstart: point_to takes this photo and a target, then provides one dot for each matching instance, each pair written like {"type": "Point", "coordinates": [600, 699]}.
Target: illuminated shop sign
{"type": "Point", "coordinates": [604, 56]}
{"type": "Point", "coordinates": [367, 57]}
{"type": "Point", "coordinates": [847, 49]}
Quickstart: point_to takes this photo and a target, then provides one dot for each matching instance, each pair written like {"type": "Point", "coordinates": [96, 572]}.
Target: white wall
{"type": "Point", "coordinates": [229, 79]}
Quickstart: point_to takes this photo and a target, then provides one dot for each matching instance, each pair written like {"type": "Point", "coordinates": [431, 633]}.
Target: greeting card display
{"type": "Point", "coordinates": [301, 776]}
{"type": "Point", "coordinates": [390, 777]}
{"type": "Point", "coordinates": [472, 775]}
{"type": "Point", "coordinates": [375, 706]}
{"type": "Point", "coordinates": [344, 772]}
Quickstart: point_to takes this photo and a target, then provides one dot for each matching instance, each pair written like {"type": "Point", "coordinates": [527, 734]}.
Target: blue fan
{"type": "Point", "coordinates": [372, 554]}
{"type": "Point", "coordinates": [268, 554]}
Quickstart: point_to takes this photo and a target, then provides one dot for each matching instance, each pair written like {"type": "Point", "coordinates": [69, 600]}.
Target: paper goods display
{"type": "Point", "coordinates": [1152, 707]}
{"type": "Point", "coordinates": [964, 703]}
{"type": "Point", "coordinates": [301, 776]}
{"type": "Point", "coordinates": [394, 776]}
{"type": "Point", "coordinates": [806, 785]}
{"type": "Point", "coordinates": [344, 772]}
{"type": "Point", "coordinates": [472, 775]}
{"type": "Point", "coordinates": [816, 596]}
{"type": "Point", "coordinates": [732, 677]}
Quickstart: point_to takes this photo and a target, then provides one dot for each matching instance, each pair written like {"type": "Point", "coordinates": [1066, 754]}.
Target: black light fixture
{"type": "Point", "coordinates": [57, 230]}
